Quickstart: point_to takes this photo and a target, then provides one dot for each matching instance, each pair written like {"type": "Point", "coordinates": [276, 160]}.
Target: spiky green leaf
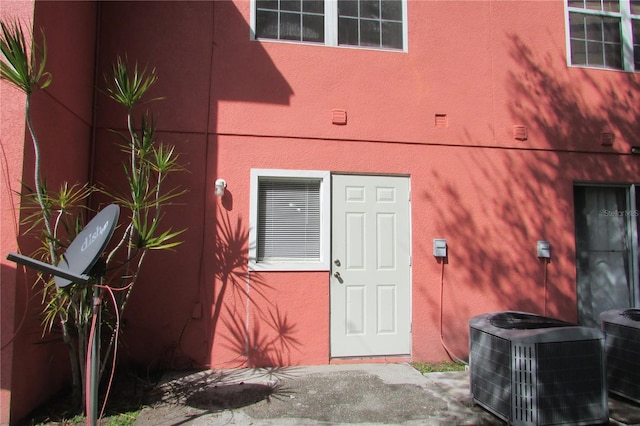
{"type": "Point", "coordinates": [19, 65]}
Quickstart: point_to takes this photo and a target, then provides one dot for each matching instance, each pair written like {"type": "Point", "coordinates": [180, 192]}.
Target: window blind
{"type": "Point", "coordinates": [288, 220]}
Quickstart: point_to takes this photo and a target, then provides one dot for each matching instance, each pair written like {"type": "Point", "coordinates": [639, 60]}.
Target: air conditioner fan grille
{"type": "Point", "coordinates": [623, 359]}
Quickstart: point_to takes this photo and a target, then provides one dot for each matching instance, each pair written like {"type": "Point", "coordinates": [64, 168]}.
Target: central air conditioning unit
{"type": "Point", "coordinates": [622, 351]}
{"type": "Point", "coordinates": [533, 370]}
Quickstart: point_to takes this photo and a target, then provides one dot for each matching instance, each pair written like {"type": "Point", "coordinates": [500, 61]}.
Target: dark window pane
{"type": "Point", "coordinates": [594, 28]}
{"type": "Point", "coordinates": [635, 7]}
{"type": "Point", "coordinates": [348, 31]}
{"type": "Point", "coordinates": [289, 26]}
{"type": "Point", "coordinates": [611, 5]}
{"type": "Point", "coordinates": [595, 54]}
{"type": "Point", "coordinates": [611, 28]}
{"type": "Point", "coordinates": [267, 24]}
{"type": "Point", "coordinates": [392, 9]}
{"type": "Point", "coordinates": [369, 33]}
{"type": "Point", "coordinates": [578, 52]}
{"type": "Point", "coordinates": [348, 8]}
{"type": "Point", "coordinates": [593, 5]}
{"type": "Point", "coordinates": [576, 3]}
{"type": "Point", "coordinates": [370, 9]}
{"type": "Point", "coordinates": [292, 5]}
{"type": "Point", "coordinates": [313, 28]}
{"type": "Point", "coordinates": [636, 45]}
{"type": "Point", "coordinates": [392, 35]}
{"type": "Point", "coordinates": [313, 6]}
{"type": "Point", "coordinates": [576, 24]}
{"type": "Point", "coordinates": [267, 4]}
{"type": "Point", "coordinates": [613, 55]}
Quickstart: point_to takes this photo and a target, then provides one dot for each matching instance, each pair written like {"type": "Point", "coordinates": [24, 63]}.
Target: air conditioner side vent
{"type": "Point", "coordinates": [524, 380]}
{"type": "Point", "coordinates": [622, 351]}
{"type": "Point", "coordinates": [490, 357]}
{"type": "Point", "coordinates": [571, 381]}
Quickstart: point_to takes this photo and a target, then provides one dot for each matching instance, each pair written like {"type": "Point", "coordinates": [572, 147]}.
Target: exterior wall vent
{"type": "Point", "coordinates": [442, 120]}
{"type": "Point", "coordinates": [622, 350]}
{"type": "Point", "coordinates": [606, 138]}
{"type": "Point", "coordinates": [339, 117]}
{"type": "Point", "coordinates": [534, 370]}
{"type": "Point", "coordinates": [520, 133]}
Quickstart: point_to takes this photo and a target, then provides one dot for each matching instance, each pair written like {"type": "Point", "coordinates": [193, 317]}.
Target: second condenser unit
{"type": "Point", "coordinates": [622, 331]}
{"type": "Point", "coordinates": [533, 370]}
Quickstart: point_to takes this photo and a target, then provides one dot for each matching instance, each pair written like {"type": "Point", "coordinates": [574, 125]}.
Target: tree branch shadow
{"type": "Point", "coordinates": [523, 192]}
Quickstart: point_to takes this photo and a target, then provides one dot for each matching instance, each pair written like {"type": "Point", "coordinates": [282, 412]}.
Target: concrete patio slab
{"type": "Point", "coordinates": [329, 395]}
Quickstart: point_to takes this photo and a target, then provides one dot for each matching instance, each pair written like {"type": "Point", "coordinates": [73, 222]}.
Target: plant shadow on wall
{"type": "Point", "coordinates": [524, 193]}
{"type": "Point", "coordinates": [254, 327]}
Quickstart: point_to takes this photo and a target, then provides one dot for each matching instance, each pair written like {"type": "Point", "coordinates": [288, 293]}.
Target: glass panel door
{"type": "Point", "coordinates": [603, 249]}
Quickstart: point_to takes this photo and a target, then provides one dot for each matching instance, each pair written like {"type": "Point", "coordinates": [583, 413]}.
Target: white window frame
{"type": "Point", "coordinates": [626, 34]}
{"type": "Point", "coordinates": [331, 29]}
{"type": "Point", "coordinates": [325, 208]}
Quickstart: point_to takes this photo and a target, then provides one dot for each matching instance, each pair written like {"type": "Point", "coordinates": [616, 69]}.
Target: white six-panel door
{"type": "Point", "coordinates": [371, 270]}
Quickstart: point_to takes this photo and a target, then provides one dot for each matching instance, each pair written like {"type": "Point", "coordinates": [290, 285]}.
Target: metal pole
{"type": "Point", "coordinates": [95, 359]}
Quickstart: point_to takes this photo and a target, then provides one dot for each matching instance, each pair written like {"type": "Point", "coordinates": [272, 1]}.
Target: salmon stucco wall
{"type": "Point", "coordinates": [232, 104]}
{"type": "Point", "coordinates": [12, 141]}
{"type": "Point", "coordinates": [490, 195]}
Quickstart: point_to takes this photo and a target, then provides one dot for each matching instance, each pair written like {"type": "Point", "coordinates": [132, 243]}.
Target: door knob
{"type": "Point", "coordinates": [338, 277]}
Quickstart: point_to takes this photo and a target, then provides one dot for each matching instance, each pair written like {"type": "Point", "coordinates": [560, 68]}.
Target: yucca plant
{"type": "Point", "coordinates": [23, 65]}
{"type": "Point", "coordinates": [149, 164]}
{"type": "Point", "coordinates": [59, 214]}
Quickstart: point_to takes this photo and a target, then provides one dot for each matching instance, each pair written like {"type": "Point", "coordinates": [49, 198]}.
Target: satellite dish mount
{"type": "Point", "coordinates": [81, 262]}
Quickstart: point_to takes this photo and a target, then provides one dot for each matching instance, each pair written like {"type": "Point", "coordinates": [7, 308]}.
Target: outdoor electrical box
{"type": "Point", "coordinates": [544, 249]}
{"type": "Point", "coordinates": [439, 247]}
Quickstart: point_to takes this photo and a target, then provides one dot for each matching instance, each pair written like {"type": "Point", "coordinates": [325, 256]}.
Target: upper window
{"type": "Point", "coordinates": [364, 23]}
{"type": "Point", "coordinates": [289, 220]}
{"type": "Point", "coordinates": [604, 33]}
{"type": "Point", "coordinates": [299, 20]}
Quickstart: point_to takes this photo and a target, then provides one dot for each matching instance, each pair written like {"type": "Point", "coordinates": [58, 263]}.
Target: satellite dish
{"type": "Point", "coordinates": [86, 248]}
{"type": "Point", "coordinates": [83, 252]}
